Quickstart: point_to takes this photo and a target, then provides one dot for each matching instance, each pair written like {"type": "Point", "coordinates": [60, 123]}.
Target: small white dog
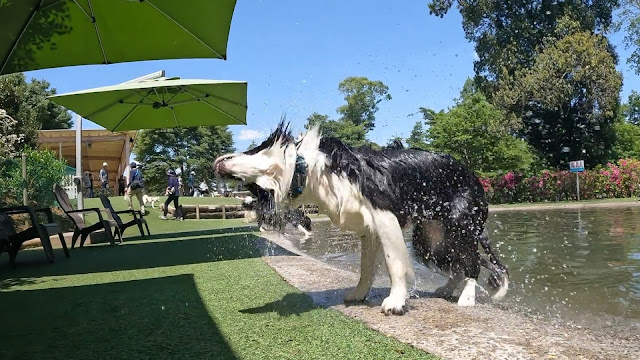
{"type": "Point", "coordinates": [150, 199]}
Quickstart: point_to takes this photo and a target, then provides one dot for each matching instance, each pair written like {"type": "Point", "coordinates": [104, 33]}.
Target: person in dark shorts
{"type": "Point", "coordinates": [173, 194]}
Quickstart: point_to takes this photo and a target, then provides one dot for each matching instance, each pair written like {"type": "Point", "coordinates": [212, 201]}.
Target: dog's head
{"type": "Point", "coordinates": [270, 166]}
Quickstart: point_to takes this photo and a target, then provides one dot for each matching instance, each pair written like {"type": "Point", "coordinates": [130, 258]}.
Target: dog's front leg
{"type": "Point", "coordinates": [397, 260]}
{"type": "Point", "coordinates": [368, 261]}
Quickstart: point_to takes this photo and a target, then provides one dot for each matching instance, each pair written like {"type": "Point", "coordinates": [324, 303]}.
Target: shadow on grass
{"type": "Point", "coordinates": [160, 318]}
{"type": "Point", "coordinates": [139, 255]}
{"type": "Point", "coordinates": [296, 303]}
{"type": "Point", "coordinates": [209, 232]}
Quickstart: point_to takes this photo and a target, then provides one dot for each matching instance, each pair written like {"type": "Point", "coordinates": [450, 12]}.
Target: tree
{"type": "Point", "coordinates": [627, 143]}
{"type": "Point", "coordinates": [252, 145]}
{"type": "Point", "coordinates": [10, 139]}
{"type": "Point", "coordinates": [627, 130]}
{"type": "Point", "coordinates": [358, 114]}
{"type": "Point", "coordinates": [27, 103]}
{"type": "Point", "coordinates": [509, 34]}
{"type": "Point", "coordinates": [472, 133]}
{"type": "Point", "coordinates": [629, 19]}
{"type": "Point", "coordinates": [418, 136]}
{"type": "Point", "coordinates": [362, 96]}
{"type": "Point", "coordinates": [631, 110]}
{"type": "Point", "coordinates": [567, 101]}
{"type": "Point", "coordinates": [183, 149]}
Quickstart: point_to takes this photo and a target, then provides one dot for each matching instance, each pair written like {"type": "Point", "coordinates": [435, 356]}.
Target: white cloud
{"type": "Point", "coordinates": [250, 134]}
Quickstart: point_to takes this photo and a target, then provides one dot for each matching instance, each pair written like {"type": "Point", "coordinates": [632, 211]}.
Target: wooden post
{"type": "Point", "coordinates": [25, 196]}
{"type": "Point", "coordinates": [224, 212]}
{"type": "Point", "coordinates": [198, 212]}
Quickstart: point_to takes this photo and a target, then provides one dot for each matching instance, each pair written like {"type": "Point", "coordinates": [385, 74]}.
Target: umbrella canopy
{"type": "Point", "coordinates": [161, 103]}
{"type": "Point", "coordinates": [39, 34]}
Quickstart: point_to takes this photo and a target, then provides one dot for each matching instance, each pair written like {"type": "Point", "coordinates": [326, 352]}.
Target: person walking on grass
{"type": "Point", "coordinates": [135, 187]}
{"type": "Point", "coordinates": [173, 194]}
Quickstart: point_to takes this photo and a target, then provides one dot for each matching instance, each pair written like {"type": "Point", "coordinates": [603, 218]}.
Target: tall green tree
{"type": "Point", "coordinates": [629, 20]}
{"type": "Point", "coordinates": [471, 132]}
{"type": "Point", "coordinates": [567, 101]}
{"type": "Point", "coordinates": [362, 97]}
{"type": "Point", "coordinates": [183, 149]}
{"type": "Point", "coordinates": [27, 103]}
{"type": "Point", "coordinates": [418, 137]}
{"type": "Point", "coordinates": [508, 35]}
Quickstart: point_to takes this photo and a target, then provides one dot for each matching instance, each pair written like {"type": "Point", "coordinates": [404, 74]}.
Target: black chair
{"type": "Point", "coordinates": [11, 241]}
{"type": "Point", "coordinates": [81, 228]}
{"type": "Point", "coordinates": [120, 226]}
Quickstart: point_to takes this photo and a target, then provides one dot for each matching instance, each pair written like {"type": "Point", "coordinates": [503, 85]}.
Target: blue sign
{"type": "Point", "coordinates": [576, 166]}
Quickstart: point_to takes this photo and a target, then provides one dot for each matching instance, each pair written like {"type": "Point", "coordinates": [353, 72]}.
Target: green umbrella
{"type": "Point", "coordinates": [37, 34]}
{"type": "Point", "coordinates": [161, 103]}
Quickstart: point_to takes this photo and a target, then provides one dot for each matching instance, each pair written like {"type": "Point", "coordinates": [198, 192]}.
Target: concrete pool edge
{"type": "Point", "coordinates": [444, 329]}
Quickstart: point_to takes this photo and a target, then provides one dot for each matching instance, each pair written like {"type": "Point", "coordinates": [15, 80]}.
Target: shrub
{"type": "Point", "coordinates": [43, 170]}
{"type": "Point", "coordinates": [611, 181]}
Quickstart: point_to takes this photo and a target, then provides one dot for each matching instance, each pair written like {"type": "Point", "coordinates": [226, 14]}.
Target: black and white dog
{"type": "Point", "coordinates": [376, 193]}
{"type": "Point", "coordinates": [265, 208]}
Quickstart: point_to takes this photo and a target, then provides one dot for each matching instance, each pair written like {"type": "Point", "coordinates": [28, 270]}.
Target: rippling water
{"type": "Point", "coordinates": [573, 264]}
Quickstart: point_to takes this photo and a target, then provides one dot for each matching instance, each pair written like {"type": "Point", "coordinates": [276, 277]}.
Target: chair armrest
{"type": "Point", "coordinates": [86, 211]}
{"type": "Point", "coordinates": [13, 210]}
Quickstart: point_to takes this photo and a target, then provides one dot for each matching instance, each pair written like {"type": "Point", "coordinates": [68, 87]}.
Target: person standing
{"type": "Point", "coordinates": [88, 183]}
{"type": "Point", "coordinates": [121, 185]}
{"type": "Point", "coordinates": [173, 194]}
{"type": "Point", "coordinates": [104, 177]}
{"type": "Point", "coordinates": [135, 186]}
{"type": "Point", "coordinates": [192, 183]}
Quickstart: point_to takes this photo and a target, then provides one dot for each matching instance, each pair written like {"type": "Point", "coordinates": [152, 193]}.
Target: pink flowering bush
{"type": "Point", "coordinates": [618, 180]}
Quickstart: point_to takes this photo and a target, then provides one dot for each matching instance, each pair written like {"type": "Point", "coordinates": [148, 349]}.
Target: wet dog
{"type": "Point", "coordinates": [376, 193]}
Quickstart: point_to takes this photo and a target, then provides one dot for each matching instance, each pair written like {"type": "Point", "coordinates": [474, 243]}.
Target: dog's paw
{"type": "Point", "coordinates": [468, 296]}
{"type": "Point", "coordinates": [394, 306]}
{"type": "Point", "coordinates": [467, 300]}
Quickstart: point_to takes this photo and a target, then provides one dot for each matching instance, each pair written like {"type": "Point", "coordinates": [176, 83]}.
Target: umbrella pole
{"type": "Point", "coordinates": [79, 160]}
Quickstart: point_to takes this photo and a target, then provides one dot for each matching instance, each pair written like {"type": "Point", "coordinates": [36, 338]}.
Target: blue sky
{"type": "Point", "coordinates": [294, 53]}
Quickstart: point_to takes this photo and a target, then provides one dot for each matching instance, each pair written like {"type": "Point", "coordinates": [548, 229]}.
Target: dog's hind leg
{"type": "Point", "coordinates": [397, 259]}
{"type": "Point", "coordinates": [370, 252]}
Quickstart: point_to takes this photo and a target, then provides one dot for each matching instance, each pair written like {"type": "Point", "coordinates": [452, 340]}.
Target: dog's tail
{"type": "Point", "coordinates": [499, 278]}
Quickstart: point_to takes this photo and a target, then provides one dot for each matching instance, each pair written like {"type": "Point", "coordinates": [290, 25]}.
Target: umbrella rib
{"type": "Point", "coordinates": [95, 25]}
{"type": "Point", "coordinates": [132, 110]}
{"type": "Point", "coordinates": [221, 98]}
{"type": "Point", "coordinates": [185, 29]}
{"type": "Point", "coordinates": [175, 119]}
{"type": "Point", "coordinates": [176, 94]}
{"type": "Point", "coordinates": [216, 108]}
{"type": "Point", "coordinates": [105, 108]}
{"type": "Point", "coordinates": [15, 43]}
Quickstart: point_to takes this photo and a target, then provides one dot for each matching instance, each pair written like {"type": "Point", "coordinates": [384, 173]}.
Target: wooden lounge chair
{"type": "Point", "coordinates": [120, 226]}
{"type": "Point", "coordinates": [81, 229]}
{"type": "Point", "coordinates": [11, 241]}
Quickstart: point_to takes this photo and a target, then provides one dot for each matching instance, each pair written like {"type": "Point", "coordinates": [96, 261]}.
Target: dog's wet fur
{"type": "Point", "coordinates": [263, 204]}
{"type": "Point", "coordinates": [376, 193]}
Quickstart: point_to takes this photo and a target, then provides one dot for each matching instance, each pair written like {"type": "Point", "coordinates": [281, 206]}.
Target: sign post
{"type": "Point", "coordinates": [577, 167]}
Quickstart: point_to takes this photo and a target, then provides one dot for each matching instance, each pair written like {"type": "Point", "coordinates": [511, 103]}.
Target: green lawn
{"type": "Point", "coordinates": [194, 290]}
